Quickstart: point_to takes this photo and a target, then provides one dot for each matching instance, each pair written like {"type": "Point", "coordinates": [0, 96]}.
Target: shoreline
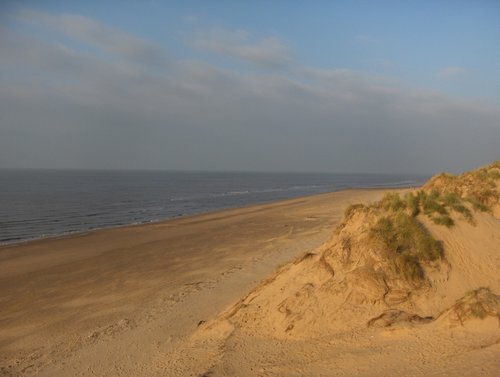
{"type": "Point", "coordinates": [78, 233]}
{"type": "Point", "coordinates": [90, 299]}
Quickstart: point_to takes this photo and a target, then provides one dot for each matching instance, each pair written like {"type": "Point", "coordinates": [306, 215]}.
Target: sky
{"type": "Point", "coordinates": [296, 86]}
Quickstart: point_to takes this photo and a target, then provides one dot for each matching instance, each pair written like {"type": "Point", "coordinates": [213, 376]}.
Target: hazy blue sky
{"type": "Point", "coordinates": [346, 86]}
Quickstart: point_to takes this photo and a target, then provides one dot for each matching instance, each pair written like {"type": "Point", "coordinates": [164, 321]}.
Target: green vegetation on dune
{"type": "Point", "coordinates": [392, 202]}
{"type": "Point", "coordinates": [436, 204]}
{"type": "Point", "coordinates": [397, 231]}
{"type": "Point", "coordinates": [351, 209]}
{"type": "Point", "coordinates": [479, 303]}
{"type": "Point", "coordinates": [431, 203]}
{"type": "Point", "coordinates": [453, 201]}
{"type": "Point", "coordinates": [478, 205]}
{"type": "Point", "coordinates": [479, 187]}
{"type": "Point", "coordinates": [412, 203]}
{"type": "Point", "coordinates": [407, 243]}
{"type": "Point", "coordinates": [445, 220]}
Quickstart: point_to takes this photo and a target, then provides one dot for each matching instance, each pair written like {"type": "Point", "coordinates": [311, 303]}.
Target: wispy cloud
{"type": "Point", "coordinates": [94, 33]}
{"type": "Point", "coordinates": [268, 52]}
{"type": "Point", "coordinates": [452, 72]}
{"type": "Point", "coordinates": [68, 108]}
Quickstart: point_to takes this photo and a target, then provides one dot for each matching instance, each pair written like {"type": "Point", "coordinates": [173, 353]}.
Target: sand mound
{"type": "Point", "coordinates": [480, 303]}
{"type": "Point", "coordinates": [389, 265]}
{"type": "Point", "coordinates": [480, 187]}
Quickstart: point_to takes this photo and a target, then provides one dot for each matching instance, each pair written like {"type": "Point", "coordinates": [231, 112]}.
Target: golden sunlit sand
{"type": "Point", "coordinates": [149, 154]}
{"type": "Point", "coordinates": [369, 302]}
{"type": "Point", "coordinates": [399, 285]}
{"type": "Point", "coordinates": [120, 301]}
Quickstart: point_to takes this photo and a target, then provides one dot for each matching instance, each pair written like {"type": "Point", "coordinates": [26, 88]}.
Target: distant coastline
{"type": "Point", "coordinates": [47, 204]}
{"type": "Point", "coordinates": [77, 233]}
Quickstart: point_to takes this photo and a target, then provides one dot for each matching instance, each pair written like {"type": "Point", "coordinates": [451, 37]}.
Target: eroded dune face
{"type": "Point", "coordinates": [392, 292]}
{"type": "Point", "coordinates": [351, 281]}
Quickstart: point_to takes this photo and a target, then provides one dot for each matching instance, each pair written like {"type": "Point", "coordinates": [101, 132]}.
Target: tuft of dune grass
{"type": "Point", "coordinates": [479, 303]}
{"type": "Point", "coordinates": [407, 243]}
{"type": "Point", "coordinates": [351, 209]}
{"type": "Point", "coordinates": [477, 187]}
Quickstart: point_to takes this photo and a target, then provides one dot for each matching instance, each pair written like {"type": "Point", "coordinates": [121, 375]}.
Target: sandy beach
{"type": "Point", "coordinates": [249, 189]}
{"type": "Point", "coordinates": [351, 283]}
{"type": "Point", "coordinates": [120, 302]}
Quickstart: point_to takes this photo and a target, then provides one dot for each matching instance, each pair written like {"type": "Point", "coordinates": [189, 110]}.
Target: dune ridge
{"type": "Point", "coordinates": [407, 285]}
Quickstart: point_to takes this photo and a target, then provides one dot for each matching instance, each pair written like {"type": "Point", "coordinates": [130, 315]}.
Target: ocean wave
{"type": "Point", "coordinates": [247, 192]}
{"type": "Point", "coordinates": [121, 199]}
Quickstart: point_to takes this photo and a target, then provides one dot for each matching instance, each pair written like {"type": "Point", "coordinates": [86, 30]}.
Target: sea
{"type": "Point", "coordinates": [42, 203]}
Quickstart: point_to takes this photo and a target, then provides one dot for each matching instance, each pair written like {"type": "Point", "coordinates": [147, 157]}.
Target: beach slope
{"type": "Point", "coordinates": [122, 302]}
{"type": "Point", "coordinates": [408, 286]}
{"type": "Point", "coordinates": [361, 282]}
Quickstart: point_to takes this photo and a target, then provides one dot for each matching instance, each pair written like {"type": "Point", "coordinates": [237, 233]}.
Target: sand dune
{"type": "Point", "coordinates": [349, 309]}
{"type": "Point", "coordinates": [407, 285]}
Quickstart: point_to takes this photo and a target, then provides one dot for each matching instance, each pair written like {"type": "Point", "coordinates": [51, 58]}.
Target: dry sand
{"type": "Point", "coordinates": [343, 310]}
{"type": "Point", "coordinates": [132, 301]}
{"type": "Point", "coordinates": [315, 317]}
{"type": "Point", "coordinates": [261, 291]}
